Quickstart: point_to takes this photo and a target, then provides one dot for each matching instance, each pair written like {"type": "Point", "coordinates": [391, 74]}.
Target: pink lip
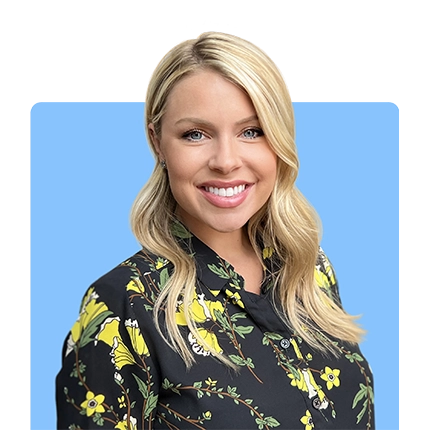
{"type": "Point", "coordinates": [225, 202]}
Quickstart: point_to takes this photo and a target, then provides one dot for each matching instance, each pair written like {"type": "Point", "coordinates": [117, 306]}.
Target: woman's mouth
{"type": "Point", "coordinates": [226, 192]}
{"type": "Point", "coordinates": [226, 197]}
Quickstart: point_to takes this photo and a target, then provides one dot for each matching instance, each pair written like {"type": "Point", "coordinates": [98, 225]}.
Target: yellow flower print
{"type": "Point", "coordinates": [307, 421]}
{"type": "Point", "coordinates": [109, 334]}
{"type": "Point", "coordinates": [307, 384]}
{"type": "Point", "coordinates": [160, 263]}
{"type": "Point", "coordinates": [235, 298]}
{"type": "Point", "coordinates": [314, 389]}
{"type": "Point", "coordinates": [136, 285]}
{"type": "Point", "coordinates": [201, 310]}
{"type": "Point", "coordinates": [268, 252]}
{"type": "Point", "coordinates": [90, 316]}
{"type": "Point", "coordinates": [209, 338]}
{"type": "Point", "coordinates": [296, 349]}
{"type": "Point", "coordinates": [121, 355]}
{"type": "Point", "coordinates": [331, 376]}
{"type": "Point", "coordinates": [321, 278]}
{"type": "Point", "coordinates": [137, 340]}
{"type": "Point", "coordinates": [328, 269]}
{"type": "Point", "coordinates": [93, 403]}
{"type": "Point", "coordinates": [108, 331]}
{"type": "Point", "coordinates": [215, 292]}
{"type": "Point", "coordinates": [123, 425]}
{"type": "Point", "coordinates": [207, 415]}
{"type": "Point", "coordinates": [121, 401]}
{"type": "Point", "coordinates": [90, 310]}
{"type": "Point", "coordinates": [210, 383]}
{"type": "Point", "coordinates": [299, 383]}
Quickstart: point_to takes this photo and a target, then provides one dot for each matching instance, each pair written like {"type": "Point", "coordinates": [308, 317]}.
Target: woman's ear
{"type": "Point", "coordinates": [155, 141]}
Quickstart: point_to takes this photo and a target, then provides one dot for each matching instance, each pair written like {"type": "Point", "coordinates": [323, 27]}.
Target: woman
{"type": "Point", "coordinates": [229, 317]}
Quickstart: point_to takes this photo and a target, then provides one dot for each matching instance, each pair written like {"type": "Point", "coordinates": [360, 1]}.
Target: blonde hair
{"type": "Point", "coordinates": [287, 222]}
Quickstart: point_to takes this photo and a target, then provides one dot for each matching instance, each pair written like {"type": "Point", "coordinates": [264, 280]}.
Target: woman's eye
{"type": "Point", "coordinates": [193, 135]}
{"type": "Point", "coordinates": [252, 133]}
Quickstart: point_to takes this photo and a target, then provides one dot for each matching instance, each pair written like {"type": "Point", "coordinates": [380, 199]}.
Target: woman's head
{"type": "Point", "coordinates": [220, 167]}
{"type": "Point", "coordinates": [286, 221]}
{"type": "Point", "coordinates": [247, 67]}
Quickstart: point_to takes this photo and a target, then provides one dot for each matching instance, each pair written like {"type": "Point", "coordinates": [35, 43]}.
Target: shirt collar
{"type": "Point", "coordinates": [215, 273]}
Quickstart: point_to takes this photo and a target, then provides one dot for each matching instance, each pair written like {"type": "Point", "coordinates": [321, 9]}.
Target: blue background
{"type": "Point", "coordinates": [88, 162]}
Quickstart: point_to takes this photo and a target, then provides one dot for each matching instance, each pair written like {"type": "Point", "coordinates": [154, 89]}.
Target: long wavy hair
{"type": "Point", "coordinates": [287, 222]}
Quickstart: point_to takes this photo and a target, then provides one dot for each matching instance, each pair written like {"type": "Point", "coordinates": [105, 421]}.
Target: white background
{"type": "Point", "coordinates": [104, 51]}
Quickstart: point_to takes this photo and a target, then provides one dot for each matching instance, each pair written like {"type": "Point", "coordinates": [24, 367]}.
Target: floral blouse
{"type": "Point", "coordinates": [118, 372]}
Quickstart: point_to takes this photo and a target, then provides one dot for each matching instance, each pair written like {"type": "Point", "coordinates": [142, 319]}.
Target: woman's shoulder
{"type": "Point", "coordinates": [143, 274]}
{"type": "Point", "coordinates": [141, 263]}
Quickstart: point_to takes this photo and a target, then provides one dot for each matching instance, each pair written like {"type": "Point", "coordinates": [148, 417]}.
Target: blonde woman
{"type": "Point", "coordinates": [229, 317]}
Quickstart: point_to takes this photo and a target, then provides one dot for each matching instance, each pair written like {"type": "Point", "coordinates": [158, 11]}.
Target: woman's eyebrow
{"type": "Point", "coordinates": [208, 123]}
{"type": "Point", "coordinates": [194, 120]}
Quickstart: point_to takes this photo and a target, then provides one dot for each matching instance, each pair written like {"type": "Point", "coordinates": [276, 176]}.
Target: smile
{"type": "Point", "coordinates": [226, 192]}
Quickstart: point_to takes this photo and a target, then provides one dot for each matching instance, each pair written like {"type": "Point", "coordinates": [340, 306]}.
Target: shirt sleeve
{"type": "Point", "coordinates": [107, 378]}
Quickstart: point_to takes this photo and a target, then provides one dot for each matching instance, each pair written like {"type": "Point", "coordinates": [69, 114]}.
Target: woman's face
{"type": "Point", "coordinates": [221, 169]}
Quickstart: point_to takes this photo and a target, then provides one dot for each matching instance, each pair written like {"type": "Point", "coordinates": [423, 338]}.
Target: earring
{"type": "Point", "coordinates": [163, 164]}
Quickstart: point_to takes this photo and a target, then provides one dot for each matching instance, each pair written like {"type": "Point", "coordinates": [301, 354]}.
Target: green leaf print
{"type": "Point", "coordinates": [239, 361]}
{"type": "Point", "coordinates": [98, 419]}
{"type": "Point", "coordinates": [238, 315]}
{"type": "Point", "coordinates": [362, 412]}
{"type": "Point", "coordinates": [354, 357]}
{"type": "Point", "coordinates": [166, 385]}
{"type": "Point", "coordinates": [77, 371]}
{"type": "Point", "coordinates": [242, 330]}
{"type": "Point", "coordinates": [357, 357]}
{"type": "Point", "coordinates": [273, 336]}
{"type": "Point", "coordinates": [151, 404]}
{"type": "Point", "coordinates": [180, 231]}
{"type": "Point", "coordinates": [164, 277]}
{"type": "Point", "coordinates": [293, 370]}
{"type": "Point", "coordinates": [222, 319]}
{"type": "Point", "coordinates": [267, 421]}
{"type": "Point", "coordinates": [143, 387]}
{"type": "Point", "coordinates": [272, 422]}
{"type": "Point", "coordinates": [361, 393]}
{"type": "Point", "coordinates": [220, 271]}
{"type": "Point", "coordinates": [92, 327]}
{"type": "Point", "coordinates": [250, 363]}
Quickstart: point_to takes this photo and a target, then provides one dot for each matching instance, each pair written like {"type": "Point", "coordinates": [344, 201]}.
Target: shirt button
{"type": "Point", "coordinates": [285, 343]}
{"type": "Point", "coordinates": [316, 403]}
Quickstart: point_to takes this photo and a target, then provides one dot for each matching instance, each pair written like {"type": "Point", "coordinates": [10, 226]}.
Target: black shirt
{"type": "Point", "coordinates": [118, 372]}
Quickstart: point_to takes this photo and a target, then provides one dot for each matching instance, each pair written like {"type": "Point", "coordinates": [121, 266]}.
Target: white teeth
{"type": "Point", "coordinates": [226, 192]}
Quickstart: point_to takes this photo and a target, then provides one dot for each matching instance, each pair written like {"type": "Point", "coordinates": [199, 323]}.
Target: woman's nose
{"type": "Point", "coordinates": [226, 155]}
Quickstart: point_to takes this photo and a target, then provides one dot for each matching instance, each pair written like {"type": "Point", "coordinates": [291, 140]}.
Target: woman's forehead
{"type": "Point", "coordinates": [208, 94]}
